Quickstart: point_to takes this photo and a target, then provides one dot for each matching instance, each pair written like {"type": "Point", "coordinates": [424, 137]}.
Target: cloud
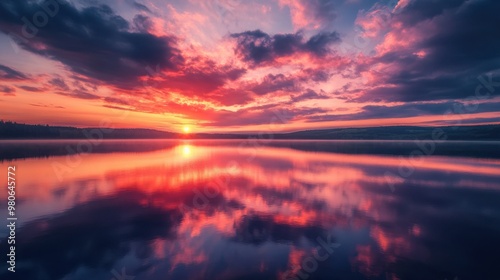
{"type": "Point", "coordinates": [270, 114]}
{"type": "Point", "coordinates": [319, 43]}
{"type": "Point", "coordinates": [7, 91]}
{"type": "Point", "coordinates": [375, 21]}
{"type": "Point", "coordinates": [436, 50]}
{"type": "Point", "coordinates": [7, 73]}
{"type": "Point", "coordinates": [93, 41]}
{"type": "Point", "coordinates": [272, 83]}
{"type": "Point", "coordinates": [411, 110]}
{"type": "Point", "coordinates": [312, 14]}
{"type": "Point", "coordinates": [415, 11]}
{"type": "Point", "coordinates": [82, 94]}
{"type": "Point", "coordinates": [47, 106]}
{"type": "Point", "coordinates": [142, 23]}
{"type": "Point", "coordinates": [200, 77]}
{"type": "Point", "coordinates": [59, 83]}
{"type": "Point", "coordinates": [309, 95]}
{"type": "Point", "coordinates": [258, 47]}
{"type": "Point", "coordinates": [31, 88]}
{"type": "Point", "coordinates": [231, 96]}
{"type": "Point", "coordinates": [140, 7]}
{"type": "Point", "coordinates": [426, 53]}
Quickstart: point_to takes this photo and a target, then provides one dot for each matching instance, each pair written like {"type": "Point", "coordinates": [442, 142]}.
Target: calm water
{"type": "Point", "coordinates": [245, 210]}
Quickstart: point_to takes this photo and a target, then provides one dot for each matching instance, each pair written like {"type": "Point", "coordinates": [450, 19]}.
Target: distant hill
{"type": "Point", "coordinates": [483, 132]}
{"type": "Point", "coordinates": [12, 130]}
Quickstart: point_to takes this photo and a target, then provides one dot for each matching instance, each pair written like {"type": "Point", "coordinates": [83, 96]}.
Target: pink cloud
{"type": "Point", "coordinates": [374, 22]}
{"type": "Point", "coordinates": [310, 14]}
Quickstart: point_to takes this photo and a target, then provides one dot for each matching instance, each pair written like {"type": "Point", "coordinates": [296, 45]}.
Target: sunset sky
{"type": "Point", "coordinates": [235, 65]}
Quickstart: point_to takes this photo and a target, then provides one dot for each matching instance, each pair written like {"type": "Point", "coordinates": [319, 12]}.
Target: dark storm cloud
{"type": "Point", "coordinates": [7, 73]}
{"type": "Point", "coordinates": [259, 47]}
{"type": "Point", "coordinates": [463, 44]}
{"type": "Point", "coordinates": [93, 41]}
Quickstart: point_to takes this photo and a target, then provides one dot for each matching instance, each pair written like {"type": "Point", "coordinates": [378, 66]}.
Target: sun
{"type": "Point", "coordinates": [186, 129]}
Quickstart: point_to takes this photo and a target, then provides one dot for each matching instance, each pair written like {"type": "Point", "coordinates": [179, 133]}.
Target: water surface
{"type": "Point", "coordinates": [252, 210]}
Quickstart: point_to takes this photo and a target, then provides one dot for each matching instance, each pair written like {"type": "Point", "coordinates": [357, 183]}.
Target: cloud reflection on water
{"type": "Point", "coordinates": [149, 212]}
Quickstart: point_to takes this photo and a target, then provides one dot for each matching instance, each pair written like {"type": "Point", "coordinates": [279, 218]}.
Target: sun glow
{"type": "Point", "coordinates": [186, 129]}
{"type": "Point", "coordinates": [186, 150]}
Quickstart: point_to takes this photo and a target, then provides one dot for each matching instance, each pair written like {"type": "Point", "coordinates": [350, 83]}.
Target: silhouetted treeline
{"type": "Point", "coordinates": [12, 130]}
{"type": "Point", "coordinates": [476, 133]}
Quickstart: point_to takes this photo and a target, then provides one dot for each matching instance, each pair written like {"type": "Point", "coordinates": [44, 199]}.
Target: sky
{"type": "Point", "coordinates": [250, 66]}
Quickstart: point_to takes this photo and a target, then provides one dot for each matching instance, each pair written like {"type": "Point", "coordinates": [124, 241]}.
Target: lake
{"type": "Point", "coordinates": [252, 209]}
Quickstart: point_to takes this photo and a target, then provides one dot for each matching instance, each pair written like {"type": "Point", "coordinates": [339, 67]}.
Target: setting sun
{"type": "Point", "coordinates": [186, 129]}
